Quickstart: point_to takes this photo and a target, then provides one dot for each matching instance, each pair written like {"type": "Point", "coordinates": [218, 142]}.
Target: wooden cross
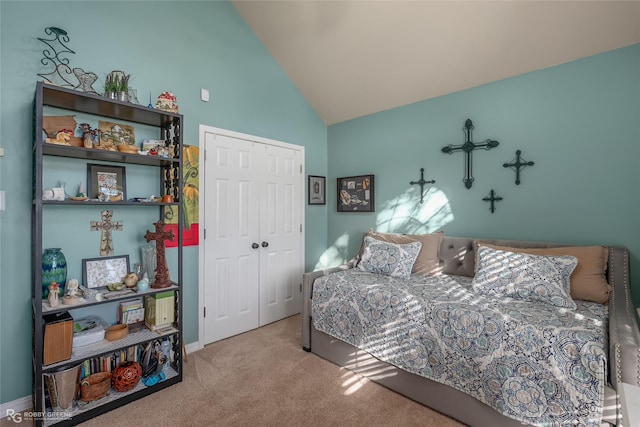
{"type": "Point", "coordinates": [106, 226]}
{"type": "Point", "coordinates": [162, 271]}
{"type": "Point", "coordinates": [517, 165]}
{"type": "Point", "coordinates": [421, 183]}
{"type": "Point", "coordinates": [493, 198]}
{"type": "Point", "coordinates": [468, 148]}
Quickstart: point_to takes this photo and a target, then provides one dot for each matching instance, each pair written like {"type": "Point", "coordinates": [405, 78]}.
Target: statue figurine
{"type": "Point", "coordinates": [54, 290]}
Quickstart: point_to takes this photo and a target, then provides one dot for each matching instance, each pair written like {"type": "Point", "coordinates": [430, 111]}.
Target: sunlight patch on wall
{"type": "Point", "coordinates": [336, 254]}
{"type": "Point", "coordinates": [405, 213]}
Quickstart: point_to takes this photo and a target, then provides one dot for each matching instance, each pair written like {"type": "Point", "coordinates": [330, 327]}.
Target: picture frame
{"type": "Point", "coordinates": [317, 190]}
{"type": "Point", "coordinates": [356, 194]}
{"type": "Point", "coordinates": [106, 183]}
{"type": "Point", "coordinates": [99, 272]}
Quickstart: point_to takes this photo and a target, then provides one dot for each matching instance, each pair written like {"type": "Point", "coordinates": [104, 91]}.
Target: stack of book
{"type": "Point", "coordinates": [131, 313]}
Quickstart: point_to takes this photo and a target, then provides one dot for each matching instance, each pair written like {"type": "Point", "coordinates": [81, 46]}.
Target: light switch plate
{"type": "Point", "coordinates": [204, 95]}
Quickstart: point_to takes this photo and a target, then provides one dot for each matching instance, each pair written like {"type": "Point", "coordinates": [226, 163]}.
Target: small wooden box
{"type": "Point", "coordinates": [159, 310]}
{"type": "Point", "coordinates": [58, 337]}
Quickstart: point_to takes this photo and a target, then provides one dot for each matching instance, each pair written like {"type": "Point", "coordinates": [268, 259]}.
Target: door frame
{"type": "Point", "coordinates": [201, 261]}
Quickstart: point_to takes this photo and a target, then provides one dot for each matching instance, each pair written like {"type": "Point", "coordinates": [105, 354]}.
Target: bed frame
{"type": "Point", "coordinates": [457, 256]}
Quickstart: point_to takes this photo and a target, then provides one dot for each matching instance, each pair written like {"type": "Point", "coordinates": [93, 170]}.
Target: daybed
{"type": "Point", "coordinates": [479, 356]}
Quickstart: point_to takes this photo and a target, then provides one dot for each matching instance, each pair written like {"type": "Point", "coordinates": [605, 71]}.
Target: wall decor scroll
{"type": "Point", "coordinates": [422, 183]}
{"type": "Point", "coordinates": [54, 54]}
{"type": "Point", "coordinates": [493, 198]}
{"type": "Point", "coordinates": [468, 148]}
{"type": "Point", "coordinates": [518, 164]}
{"type": "Point", "coordinates": [356, 194]}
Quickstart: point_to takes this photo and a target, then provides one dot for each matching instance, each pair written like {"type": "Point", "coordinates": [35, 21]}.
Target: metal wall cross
{"type": "Point", "coordinates": [493, 198]}
{"type": "Point", "coordinates": [517, 165]}
{"type": "Point", "coordinates": [106, 226]}
{"type": "Point", "coordinates": [162, 270]}
{"type": "Point", "coordinates": [421, 183]}
{"type": "Point", "coordinates": [468, 148]}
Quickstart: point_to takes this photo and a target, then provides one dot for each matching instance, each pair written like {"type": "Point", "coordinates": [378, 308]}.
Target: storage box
{"type": "Point", "coordinates": [159, 310]}
{"type": "Point", "coordinates": [88, 330]}
{"type": "Point", "coordinates": [58, 337]}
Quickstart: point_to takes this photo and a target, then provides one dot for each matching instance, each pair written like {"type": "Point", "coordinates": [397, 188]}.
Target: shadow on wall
{"type": "Point", "coordinates": [402, 214]}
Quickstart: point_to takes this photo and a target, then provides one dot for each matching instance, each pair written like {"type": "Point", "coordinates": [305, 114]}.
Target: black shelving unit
{"type": "Point", "coordinates": [171, 182]}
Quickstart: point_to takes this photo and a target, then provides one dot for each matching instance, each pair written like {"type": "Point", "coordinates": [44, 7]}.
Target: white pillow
{"type": "Point", "coordinates": [389, 259]}
{"type": "Point", "coordinates": [529, 277]}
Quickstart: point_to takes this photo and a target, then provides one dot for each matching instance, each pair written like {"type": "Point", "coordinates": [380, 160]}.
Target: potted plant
{"type": "Point", "coordinates": [116, 85]}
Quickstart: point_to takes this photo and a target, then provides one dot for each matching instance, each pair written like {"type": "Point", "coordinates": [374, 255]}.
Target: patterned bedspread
{"type": "Point", "coordinates": [533, 362]}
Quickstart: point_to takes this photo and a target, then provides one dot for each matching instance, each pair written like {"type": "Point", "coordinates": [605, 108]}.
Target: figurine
{"type": "Point", "coordinates": [73, 293]}
{"type": "Point", "coordinates": [54, 290]}
{"type": "Point", "coordinates": [91, 137]}
{"type": "Point", "coordinates": [62, 137]}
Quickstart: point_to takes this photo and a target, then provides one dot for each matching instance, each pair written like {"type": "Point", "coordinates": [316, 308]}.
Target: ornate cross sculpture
{"type": "Point", "coordinates": [421, 183]}
{"type": "Point", "coordinates": [493, 198]}
{"type": "Point", "coordinates": [468, 148]}
{"type": "Point", "coordinates": [517, 165]}
{"type": "Point", "coordinates": [106, 226]}
{"type": "Point", "coordinates": [162, 271]}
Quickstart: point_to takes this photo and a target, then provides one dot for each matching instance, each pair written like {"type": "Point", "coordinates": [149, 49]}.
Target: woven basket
{"type": "Point", "coordinates": [95, 386]}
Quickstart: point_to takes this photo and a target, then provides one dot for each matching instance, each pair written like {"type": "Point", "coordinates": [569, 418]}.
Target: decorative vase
{"type": "Point", "coordinates": [149, 262]}
{"type": "Point", "coordinates": [126, 376]}
{"type": "Point", "coordinates": [54, 269]}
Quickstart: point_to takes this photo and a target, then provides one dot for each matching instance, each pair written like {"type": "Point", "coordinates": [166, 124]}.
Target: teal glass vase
{"type": "Point", "coordinates": [54, 269]}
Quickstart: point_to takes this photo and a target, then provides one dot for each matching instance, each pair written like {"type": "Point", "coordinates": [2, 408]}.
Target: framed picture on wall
{"type": "Point", "coordinates": [356, 194]}
{"type": "Point", "coordinates": [317, 190]}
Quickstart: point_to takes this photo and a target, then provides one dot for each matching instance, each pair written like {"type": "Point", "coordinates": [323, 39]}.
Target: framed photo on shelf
{"type": "Point", "coordinates": [317, 190]}
{"type": "Point", "coordinates": [106, 183]}
{"type": "Point", "coordinates": [99, 272]}
{"type": "Point", "coordinates": [356, 194]}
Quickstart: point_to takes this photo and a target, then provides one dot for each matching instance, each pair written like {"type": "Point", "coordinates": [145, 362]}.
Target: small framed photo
{"type": "Point", "coordinates": [99, 272]}
{"type": "Point", "coordinates": [317, 190]}
{"type": "Point", "coordinates": [106, 183]}
{"type": "Point", "coordinates": [356, 194]}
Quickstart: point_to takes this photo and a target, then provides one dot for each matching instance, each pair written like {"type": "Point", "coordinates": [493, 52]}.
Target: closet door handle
{"type": "Point", "coordinates": [255, 245]}
{"type": "Point", "coordinates": [265, 244]}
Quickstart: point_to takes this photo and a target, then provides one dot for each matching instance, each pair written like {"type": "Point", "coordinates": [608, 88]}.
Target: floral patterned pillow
{"type": "Point", "coordinates": [529, 277]}
{"type": "Point", "coordinates": [389, 259]}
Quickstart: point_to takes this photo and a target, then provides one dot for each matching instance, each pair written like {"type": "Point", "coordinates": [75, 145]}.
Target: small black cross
{"type": "Point", "coordinates": [421, 183]}
{"type": "Point", "coordinates": [468, 147]}
{"type": "Point", "coordinates": [517, 165]}
{"type": "Point", "coordinates": [493, 198]}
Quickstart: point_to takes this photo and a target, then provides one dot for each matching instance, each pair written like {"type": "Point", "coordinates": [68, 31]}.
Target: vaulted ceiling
{"type": "Point", "coordinates": [353, 58]}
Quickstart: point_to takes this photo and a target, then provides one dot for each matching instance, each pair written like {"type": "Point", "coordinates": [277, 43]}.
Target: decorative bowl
{"type": "Point", "coordinates": [116, 332]}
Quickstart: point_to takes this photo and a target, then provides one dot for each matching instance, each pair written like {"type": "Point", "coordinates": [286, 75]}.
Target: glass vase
{"type": "Point", "coordinates": [149, 262]}
{"type": "Point", "coordinates": [54, 269]}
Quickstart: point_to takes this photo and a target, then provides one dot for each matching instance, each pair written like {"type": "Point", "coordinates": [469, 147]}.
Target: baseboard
{"type": "Point", "coordinates": [18, 405]}
{"type": "Point", "coordinates": [194, 346]}
{"type": "Point", "coordinates": [24, 403]}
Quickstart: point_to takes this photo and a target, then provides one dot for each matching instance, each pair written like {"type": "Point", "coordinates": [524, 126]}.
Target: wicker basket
{"type": "Point", "coordinates": [95, 386]}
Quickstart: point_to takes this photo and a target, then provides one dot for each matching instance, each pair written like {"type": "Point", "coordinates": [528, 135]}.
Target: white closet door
{"type": "Point", "coordinates": [253, 249]}
{"type": "Point", "coordinates": [232, 206]}
{"type": "Point", "coordinates": [281, 261]}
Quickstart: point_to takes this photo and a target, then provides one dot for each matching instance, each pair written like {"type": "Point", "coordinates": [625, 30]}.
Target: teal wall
{"type": "Point", "coordinates": [578, 122]}
{"type": "Point", "coordinates": [179, 46]}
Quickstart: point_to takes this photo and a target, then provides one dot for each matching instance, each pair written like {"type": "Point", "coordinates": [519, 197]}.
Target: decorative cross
{"type": "Point", "coordinates": [468, 148]}
{"type": "Point", "coordinates": [421, 183]}
{"type": "Point", "coordinates": [517, 165]}
{"type": "Point", "coordinates": [106, 226]}
{"type": "Point", "coordinates": [493, 198]}
{"type": "Point", "coordinates": [162, 271]}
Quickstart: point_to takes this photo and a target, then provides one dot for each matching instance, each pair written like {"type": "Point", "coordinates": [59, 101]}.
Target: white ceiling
{"type": "Point", "coordinates": [353, 58]}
